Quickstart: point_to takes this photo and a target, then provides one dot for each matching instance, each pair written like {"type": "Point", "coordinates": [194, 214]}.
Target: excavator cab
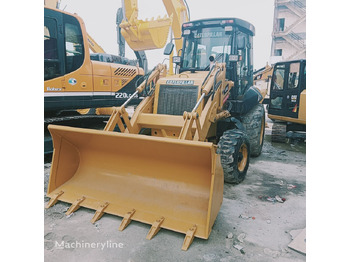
{"type": "Point", "coordinates": [288, 87]}
{"type": "Point", "coordinates": [73, 79]}
{"type": "Point", "coordinates": [63, 53]}
{"type": "Point", "coordinates": [287, 103]}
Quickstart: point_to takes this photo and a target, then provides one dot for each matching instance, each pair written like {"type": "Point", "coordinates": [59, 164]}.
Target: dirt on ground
{"type": "Point", "coordinates": [252, 224]}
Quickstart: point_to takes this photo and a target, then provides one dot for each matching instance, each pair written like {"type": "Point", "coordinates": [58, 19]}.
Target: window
{"type": "Point", "coordinates": [276, 103]}
{"type": "Point", "coordinates": [50, 39]}
{"type": "Point", "coordinates": [74, 44]}
{"type": "Point", "coordinates": [278, 78]}
{"type": "Point", "coordinates": [293, 77]}
{"type": "Point", "coordinates": [51, 62]}
{"type": "Point", "coordinates": [242, 64]}
{"type": "Point", "coordinates": [278, 52]}
{"type": "Point", "coordinates": [203, 43]}
{"type": "Point", "coordinates": [280, 23]}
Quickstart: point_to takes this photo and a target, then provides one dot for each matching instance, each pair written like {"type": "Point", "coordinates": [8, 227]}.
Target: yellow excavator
{"type": "Point", "coordinates": [76, 79]}
{"type": "Point", "coordinates": [287, 103]}
{"type": "Point", "coordinates": [166, 165]}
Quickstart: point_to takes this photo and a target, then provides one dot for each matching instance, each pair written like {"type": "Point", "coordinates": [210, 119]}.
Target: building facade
{"type": "Point", "coordinates": [289, 31]}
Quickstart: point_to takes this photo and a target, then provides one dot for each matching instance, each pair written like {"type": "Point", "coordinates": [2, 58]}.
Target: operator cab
{"type": "Point", "coordinates": [63, 44]}
{"type": "Point", "coordinates": [224, 40]}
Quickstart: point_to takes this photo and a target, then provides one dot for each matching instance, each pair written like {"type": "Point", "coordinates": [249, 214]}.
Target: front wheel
{"type": "Point", "coordinates": [234, 150]}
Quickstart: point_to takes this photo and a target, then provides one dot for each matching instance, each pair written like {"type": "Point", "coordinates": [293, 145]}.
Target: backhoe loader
{"type": "Point", "coordinates": [166, 165]}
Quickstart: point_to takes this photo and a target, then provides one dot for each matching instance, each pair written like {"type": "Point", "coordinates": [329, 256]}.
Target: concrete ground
{"type": "Point", "coordinates": [249, 220]}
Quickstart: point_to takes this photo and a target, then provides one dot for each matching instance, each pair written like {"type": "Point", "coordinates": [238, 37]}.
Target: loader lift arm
{"type": "Point", "coordinates": [120, 112]}
{"type": "Point", "coordinates": [194, 125]}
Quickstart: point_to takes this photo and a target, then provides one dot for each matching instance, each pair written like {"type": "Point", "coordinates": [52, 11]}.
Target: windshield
{"type": "Point", "coordinates": [202, 43]}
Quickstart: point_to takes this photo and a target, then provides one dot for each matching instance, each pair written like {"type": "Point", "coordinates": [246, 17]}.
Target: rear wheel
{"type": "Point", "coordinates": [254, 124]}
{"type": "Point", "coordinates": [234, 150]}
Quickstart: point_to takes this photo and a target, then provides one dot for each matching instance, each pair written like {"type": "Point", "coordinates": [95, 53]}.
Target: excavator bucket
{"type": "Point", "coordinates": [143, 35]}
{"type": "Point", "coordinates": [167, 183]}
{"type": "Point", "coordinates": [146, 35]}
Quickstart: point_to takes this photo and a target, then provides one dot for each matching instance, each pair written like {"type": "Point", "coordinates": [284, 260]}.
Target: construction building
{"type": "Point", "coordinates": [289, 31]}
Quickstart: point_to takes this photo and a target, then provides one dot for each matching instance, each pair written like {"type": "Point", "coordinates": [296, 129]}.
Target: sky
{"type": "Point", "coordinates": [100, 17]}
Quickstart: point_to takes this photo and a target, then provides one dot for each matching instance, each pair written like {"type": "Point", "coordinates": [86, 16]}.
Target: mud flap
{"type": "Point", "coordinates": [167, 183]}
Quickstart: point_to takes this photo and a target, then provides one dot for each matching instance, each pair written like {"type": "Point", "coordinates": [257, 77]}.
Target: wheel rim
{"type": "Point", "coordinates": [262, 130]}
{"type": "Point", "coordinates": [243, 159]}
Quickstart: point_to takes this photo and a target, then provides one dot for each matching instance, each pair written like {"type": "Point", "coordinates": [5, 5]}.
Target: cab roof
{"type": "Point", "coordinates": [221, 21]}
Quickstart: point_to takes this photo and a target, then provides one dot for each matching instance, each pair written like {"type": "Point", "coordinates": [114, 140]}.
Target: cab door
{"type": "Point", "coordinates": [285, 90]}
{"type": "Point", "coordinates": [54, 56]}
{"type": "Point", "coordinates": [292, 93]}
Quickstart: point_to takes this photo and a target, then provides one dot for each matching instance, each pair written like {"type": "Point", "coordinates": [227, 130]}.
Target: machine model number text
{"type": "Point", "coordinates": [124, 95]}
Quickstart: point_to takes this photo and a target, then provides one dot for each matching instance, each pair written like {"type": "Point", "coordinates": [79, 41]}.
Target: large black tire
{"type": "Point", "coordinates": [254, 124]}
{"type": "Point", "coordinates": [234, 150]}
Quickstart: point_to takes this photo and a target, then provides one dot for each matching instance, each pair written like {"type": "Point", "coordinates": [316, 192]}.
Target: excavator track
{"type": "Point", "coordinates": [279, 132]}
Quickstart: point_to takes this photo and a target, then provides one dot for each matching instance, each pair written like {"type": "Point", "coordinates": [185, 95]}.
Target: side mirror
{"type": "Point", "coordinates": [168, 49]}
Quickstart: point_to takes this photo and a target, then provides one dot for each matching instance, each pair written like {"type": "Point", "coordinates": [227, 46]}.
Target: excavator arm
{"type": "Point", "coordinates": [178, 10]}
{"type": "Point", "coordinates": [143, 35]}
{"type": "Point", "coordinates": [94, 46]}
{"type": "Point", "coordinates": [152, 34]}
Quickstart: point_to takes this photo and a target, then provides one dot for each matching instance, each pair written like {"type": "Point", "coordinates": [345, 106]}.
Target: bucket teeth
{"type": "Point", "coordinates": [75, 206]}
{"type": "Point", "coordinates": [189, 237]}
{"type": "Point", "coordinates": [126, 220]}
{"type": "Point", "coordinates": [99, 212]}
{"type": "Point", "coordinates": [54, 199]}
{"type": "Point", "coordinates": [155, 228]}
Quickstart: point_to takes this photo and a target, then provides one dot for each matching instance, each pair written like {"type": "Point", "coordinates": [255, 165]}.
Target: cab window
{"type": "Point", "coordinates": [52, 66]}
{"type": "Point", "coordinates": [73, 44]}
{"type": "Point", "coordinates": [293, 77]}
{"type": "Point", "coordinates": [278, 78]}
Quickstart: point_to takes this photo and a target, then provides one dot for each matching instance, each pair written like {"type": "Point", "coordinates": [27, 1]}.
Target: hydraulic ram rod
{"type": "Point", "coordinates": [198, 103]}
{"type": "Point", "coordinates": [129, 99]}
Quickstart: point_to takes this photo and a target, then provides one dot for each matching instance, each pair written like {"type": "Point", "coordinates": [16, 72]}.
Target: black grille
{"type": "Point", "coordinates": [174, 100]}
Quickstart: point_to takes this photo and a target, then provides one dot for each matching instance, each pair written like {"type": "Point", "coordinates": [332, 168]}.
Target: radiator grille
{"type": "Point", "coordinates": [174, 100]}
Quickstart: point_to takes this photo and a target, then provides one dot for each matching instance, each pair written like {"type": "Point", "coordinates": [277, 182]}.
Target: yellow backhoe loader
{"type": "Point", "coordinates": [166, 165]}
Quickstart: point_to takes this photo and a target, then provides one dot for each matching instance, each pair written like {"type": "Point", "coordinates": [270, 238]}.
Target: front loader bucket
{"type": "Point", "coordinates": [167, 183]}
